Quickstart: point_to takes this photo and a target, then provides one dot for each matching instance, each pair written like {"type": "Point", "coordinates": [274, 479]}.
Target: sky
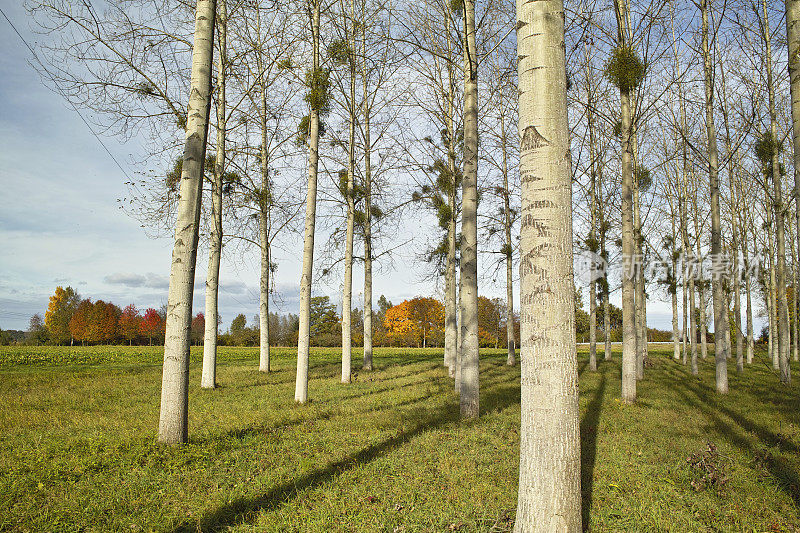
{"type": "Point", "coordinates": [61, 222]}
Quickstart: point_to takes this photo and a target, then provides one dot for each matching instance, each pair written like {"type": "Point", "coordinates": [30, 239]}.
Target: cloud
{"type": "Point", "coordinates": [234, 287]}
{"type": "Point", "coordinates": [149, 280]}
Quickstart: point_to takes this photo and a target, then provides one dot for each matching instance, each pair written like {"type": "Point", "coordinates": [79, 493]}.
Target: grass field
{"type": "Point", "coordinates": [385, 453]}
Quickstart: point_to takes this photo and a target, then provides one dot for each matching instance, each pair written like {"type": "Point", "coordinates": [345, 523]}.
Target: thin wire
{"type": "Point", "coordinates": [63, 95]}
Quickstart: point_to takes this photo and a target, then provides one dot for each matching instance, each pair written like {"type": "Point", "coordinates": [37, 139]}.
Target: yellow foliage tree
{"type": "Point", "coordinates": [415, 320]}
{"type": "Point", "coordinates": [59, 312]}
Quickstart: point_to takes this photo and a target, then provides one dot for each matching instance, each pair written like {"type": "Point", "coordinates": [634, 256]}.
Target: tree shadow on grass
{"type": "Point", "coordinates": [787, 478]}
{"type": "Point", "coordinates": [589, 448]}
{"type": "Point", "coordinates": [496, 397]}
{"type": "Point", "coordinates": [767, 436]}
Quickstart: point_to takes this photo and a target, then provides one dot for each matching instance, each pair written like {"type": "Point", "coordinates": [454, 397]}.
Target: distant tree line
{"type": "Point", "coordinates": [418, 322]}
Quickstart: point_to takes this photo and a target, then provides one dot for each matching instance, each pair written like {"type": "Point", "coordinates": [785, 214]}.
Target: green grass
{"type": "Point", "coordinates": [385, 453]}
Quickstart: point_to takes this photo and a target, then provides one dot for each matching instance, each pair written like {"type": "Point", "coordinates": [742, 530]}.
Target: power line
{"type": "Point", "coordinates": [62, 93]}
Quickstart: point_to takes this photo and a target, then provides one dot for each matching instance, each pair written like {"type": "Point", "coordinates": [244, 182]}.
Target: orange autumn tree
{"type": "Point", "coordinates": [415, 321]}
{"type": "Point", "coordinates": [79, 322]}
{"type": "Point", "coordinates": [490, 321]}
{"type": "Point", "coordinates": [151, 324]}
{"type": "Point", "coordinates": [59, 313]}
{"type": "Point", "coordinates": [129, 322]}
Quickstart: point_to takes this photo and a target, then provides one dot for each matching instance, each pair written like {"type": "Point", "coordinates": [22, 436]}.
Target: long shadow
{"type": "Point", "coordinates": [490, 399]}
{"type": "Point", "coordinates": [583, 367]}
{"type": "Point", "coordinates": [245, 509]}
{"type": "Point", "coordinates": [495, 398]}
{"type": "Point", "coordinates": [768, 437]}
{"type": "Point", "coordinates": [788, 479]}
{"type": "Point", "coordinates": [589, 448]}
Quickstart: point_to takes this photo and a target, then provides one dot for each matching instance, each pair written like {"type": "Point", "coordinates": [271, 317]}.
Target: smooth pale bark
{"type": "Point", "coordinates": [737, 312]}
{"type": "Point", "coordinates": [640, 297]}
{"type": "Point", "coordinates": [693, 328]}
{"type": "Point", "coordinates": [264, 210]}
{"type": "Point", "coordinates": [366, 363]}
{"type": "Point", "coordinates": [734, 207]}
{"type": "Point", "coordinates": [690, 274]}
{"type": "Point", "coordinates": [451, 322]}
{"type": "Point", "coordinates": [511, 358]}
{"type": "Point", "coordinates": [173, 427]}
{"type": "Point", "coordinates": [774, 351]}
{"type": "Point", "coordinates": [780, 230]}
{"type": "Point", "coordinates": [593, 215]}
{"type": "Point", "coordinates": [689, 313]}
{"type": "Point", "coordinates": [470, 343]}
{"type": "Point", "coordinates": [703, 321]}
{"type": "Point", "coordinates": [793, 41]}
{"type": "Point", "coordinates": [795, 286]}
{"type": "Point", "coordinates": [367, 314]}
{"type": "Point", "coordinates": [550, 466]}
{"type": "Point", "coordinates": [304, 337]}
{"type": "Point", "coordinates": [720, 310]}
{"type": "Point", "coordinates": [264, 363]}
{"type": "Point", "coordinates": [685, 318]}
{"type": "Point", "coordinates": [451, 334]}
{"type": "Point", "coordinates": [347, 285]}
{"type": "Point", "coordinates": [748, 303]}
{"type": "Point", "coordinates": [629, 351]}
{"type": "Point", "coordinates": [737, 285]}
{"type": "Point", "coordinates": [676, 347]}
{"type": "Point", "coordinates": [459, 336]}
{"type": "Point", "coordinates": [606, 327]}
{"type": "Point", "coordinates": [604, 255]}
{"type": "Point", "coordinates": [737, 290]}
{"type": "Point", "coordinates": [208, 379]}
{"type": "Point", "coordinates": [727, 329]}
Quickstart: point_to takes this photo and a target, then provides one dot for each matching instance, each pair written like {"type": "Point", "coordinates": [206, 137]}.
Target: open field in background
{"type": "Point", "coordinates": [386, 453]}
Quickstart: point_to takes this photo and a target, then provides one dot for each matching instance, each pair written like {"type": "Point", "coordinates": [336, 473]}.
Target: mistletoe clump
{"type": "Point", "coordinates": [625, 69]}
{"type": "Point", "coordinates": [766, 147]}
{"type": "Point", "coordinates": [319, 84]}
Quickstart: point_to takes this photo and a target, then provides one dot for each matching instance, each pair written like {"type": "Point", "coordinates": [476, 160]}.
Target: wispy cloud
{"type": "Point", "coordinates": [149, 280]}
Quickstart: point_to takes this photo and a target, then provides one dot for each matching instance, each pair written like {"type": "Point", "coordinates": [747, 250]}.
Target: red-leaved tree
{"type": "Point", "coordinates": [151, 324]}
{"type": "Point", "coordinates": [129, 323]}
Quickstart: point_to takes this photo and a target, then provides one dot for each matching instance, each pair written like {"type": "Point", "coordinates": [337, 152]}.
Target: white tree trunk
{"type": "Point", "coordinates": [676, 347]}
{"type": "Point", "coordinates": [793, 41]}
{"type": "Point", "coordinates": [720, 309]}
{"type": "Point", "coordinates": [550, 465]}
{"type": "Point", "coordinates": [780, 231]}
{"type": "Point", "coordinates": [606, 326]}
{"type": "Point", "coordinates": [593, 216]}
{"type": "Point", "coordinates": [264, 363]}
{"type": "Point", "coordinates": [209, 376]}
{"type": "Point", "coordinates": [748, 304]}
{"type": "Point", "coordinates": [347, 285]}
{"type": "Point", "coordinates": [703, 322]}
{"type": "Point", "coordinates": [304, 337]}
{"type": "Point", "coordinates": [451, 334]}
{"type": "Point", "coordinates": [264, 222]}
{"type": "Point", "coordinates": [173, 425]}
{"type": "Point", "coordinates": [774, 350]}
{"type": "Point", "coordinates": [470, 381]}
{"type": "Point", "coordinates": [511, 358]}
{"type": "Point", "coordinates": [629, 352]}
{"type": "Point", "coordinates": [640, 297]}
{"type": "Point", "coordinates": [367, 362]}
